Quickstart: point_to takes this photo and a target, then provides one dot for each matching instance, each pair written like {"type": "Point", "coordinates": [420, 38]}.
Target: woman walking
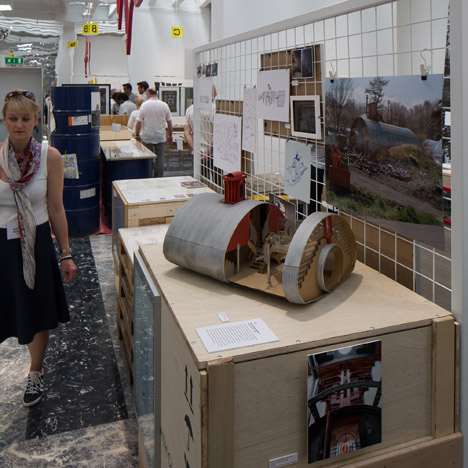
{"type": "Point", "coordinates": [31, 186]}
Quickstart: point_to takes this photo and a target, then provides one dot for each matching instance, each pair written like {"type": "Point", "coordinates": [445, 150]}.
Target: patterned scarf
{"type": "Point", "coordinates": [19, 173]}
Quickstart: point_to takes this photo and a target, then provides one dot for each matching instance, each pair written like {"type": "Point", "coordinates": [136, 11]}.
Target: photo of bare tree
{"type": "Point", "coordinates": [384, 152]}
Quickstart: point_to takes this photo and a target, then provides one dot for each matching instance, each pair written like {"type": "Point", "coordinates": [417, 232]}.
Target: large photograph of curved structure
{"type": "Point", "coordinates": [384, 152]}
{"type": "Point", "coordinates": [344, 391]}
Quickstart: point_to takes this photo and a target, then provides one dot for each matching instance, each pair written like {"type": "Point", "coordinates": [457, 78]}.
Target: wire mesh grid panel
{"type": "Point", "coordinates": [390, 39]}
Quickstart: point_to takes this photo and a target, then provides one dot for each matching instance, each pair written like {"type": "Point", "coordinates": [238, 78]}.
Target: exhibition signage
{"type": "Point", "coordinates": [90, 28]}
{"type": "Point", "coordinates": [177, 32]}
{"type": "Point", "coordinates": [14, 60]}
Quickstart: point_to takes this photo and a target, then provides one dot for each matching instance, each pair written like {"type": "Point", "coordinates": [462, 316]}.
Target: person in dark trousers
{"type": "Point", "coordinates": [31, 187]}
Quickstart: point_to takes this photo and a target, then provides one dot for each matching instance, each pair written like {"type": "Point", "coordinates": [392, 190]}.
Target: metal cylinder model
{"type": "Point", "coordinates": [251, 243]}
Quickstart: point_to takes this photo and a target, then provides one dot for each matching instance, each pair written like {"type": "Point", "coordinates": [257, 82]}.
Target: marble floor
{"type": "Point", "coordinates": [87, 417]}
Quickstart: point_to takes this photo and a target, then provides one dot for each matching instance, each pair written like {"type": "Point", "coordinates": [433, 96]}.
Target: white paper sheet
{"type": "Point", "coordinates": [249, 119]}
{"type": "Point", "coordinates": [149, 195]}
{"type": "Point", "coordinates": [227, 142]}
{"type": "Point", "coordinates": [273, 95]}
{"type": "Point", "coordinates": [235, 335]}
{"type": "Point", "coordinates": [297, 171]}
{"type": "Point", "coordinates": [204, 93]}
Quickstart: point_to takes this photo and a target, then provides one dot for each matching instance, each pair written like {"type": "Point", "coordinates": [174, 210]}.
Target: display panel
{"type": "Point", "coordinates": [171, 97]}
{"type": "Point", "coordinates": [305, 117]}
{"type": "Point", "coordinates": [147, 363]}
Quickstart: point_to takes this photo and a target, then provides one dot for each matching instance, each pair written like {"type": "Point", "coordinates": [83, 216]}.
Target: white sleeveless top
{"type": "Point", "coordinates": [36, 190]}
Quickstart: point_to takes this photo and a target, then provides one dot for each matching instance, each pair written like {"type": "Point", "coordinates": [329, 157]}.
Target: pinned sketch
{"type": "Point", "coordinates": [204, 93]}
{"type": "Point", "coordinates": [227, 142]}
{"type": "Point", "coordinates": [297, 171]}
{"type": "Point", "coordinates": [249, 119]}
{"type": "Point", "coordinates": [344, 400]}
{"type": "Point", "coordinates": [273, 95]}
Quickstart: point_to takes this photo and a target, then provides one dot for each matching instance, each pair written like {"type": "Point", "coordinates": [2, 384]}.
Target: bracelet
{"type": "Point", "coordinates": [67, 257]}
{"type": "Point", "coordinates": [69, 251]}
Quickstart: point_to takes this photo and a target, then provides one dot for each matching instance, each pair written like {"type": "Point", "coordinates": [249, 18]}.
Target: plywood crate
{"type": "Point", "coordinates": [129, 240]}
{"type": "Point", "coordinates": [146, 202]}
{"type": "Point", "coordinates": [244, 407]}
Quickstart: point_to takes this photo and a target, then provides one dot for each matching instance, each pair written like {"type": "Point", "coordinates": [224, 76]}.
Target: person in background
{"type": "Point", "coordinates": [115, 105]}
{"type": "Point", "coordinates": [150, 128]}
{"type": "Point", "coordinates": [31, 186]}
{"type": "Point", "coordinates": [143, 86]}
{"type": "Point", "coordinates": [188, 127]}
{"type": "Point", "coordinates": [127, 89]}
{"type": "Point", "coordinates": [133, 116]}
{"type": "Point", "coordinates": [208, 169]}
{"type": "Point", "coordinates": [125, 106]}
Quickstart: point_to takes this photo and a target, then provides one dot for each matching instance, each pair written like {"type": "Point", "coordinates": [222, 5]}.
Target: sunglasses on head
{"type": "Point", "coordinates": [26, 94]}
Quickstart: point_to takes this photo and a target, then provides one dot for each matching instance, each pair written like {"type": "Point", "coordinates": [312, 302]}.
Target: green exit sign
{"type": "Point", "coordinates": [13, 60]}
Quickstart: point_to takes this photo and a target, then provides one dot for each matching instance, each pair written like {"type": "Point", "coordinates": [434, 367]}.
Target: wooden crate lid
{"type": "Point", "coordinates": [133, 237]}
{"type": "Point", "coordinates": [368, 304]}
{"type": "Point", "coordinates": [157, 190]}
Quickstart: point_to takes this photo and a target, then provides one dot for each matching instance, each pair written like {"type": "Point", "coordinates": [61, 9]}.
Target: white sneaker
{"type": "Point", "coordinates": [34, 389]}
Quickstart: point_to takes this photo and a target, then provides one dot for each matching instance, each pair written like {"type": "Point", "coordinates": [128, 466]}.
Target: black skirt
{"type": "Point", "coordinates": [23, 311]}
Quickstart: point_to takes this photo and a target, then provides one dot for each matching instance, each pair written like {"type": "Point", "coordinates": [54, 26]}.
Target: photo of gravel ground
{"type": "Point", "coordinates": [384, 152]}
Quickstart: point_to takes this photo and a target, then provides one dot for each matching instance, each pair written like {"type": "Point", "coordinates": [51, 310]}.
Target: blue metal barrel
{"type": "Point", "coordinates": [76, 135]}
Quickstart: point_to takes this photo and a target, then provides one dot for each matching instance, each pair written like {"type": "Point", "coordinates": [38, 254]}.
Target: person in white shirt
{"type": "Point", "coordinates": [126, 107]}
{"type": "Point", "coordinates": [188, 127]}
{"type": "Point", "coordinates": [150, 128]}
{"type": "Point", "coordinates": [133, 116]}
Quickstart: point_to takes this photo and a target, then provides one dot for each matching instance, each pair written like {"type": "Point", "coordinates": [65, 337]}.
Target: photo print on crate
{"type": "Point", "coordinates": [344, 396]}
{"type": "Point", "coordinates": [384, 152]}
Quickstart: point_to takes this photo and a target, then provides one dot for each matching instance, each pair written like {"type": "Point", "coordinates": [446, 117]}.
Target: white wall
{"type": "Point", "coordinates": [231, 17]}
{"type": "Point", "coordinates": [108, 60]}
{"type": "Point", "coordinates": [155, 53]}
{"type": "Point", "coordinates": [64, 60]}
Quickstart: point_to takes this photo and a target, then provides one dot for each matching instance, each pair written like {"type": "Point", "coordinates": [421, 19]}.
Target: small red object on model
{"type": "Point", "coordinates": [234, 187]}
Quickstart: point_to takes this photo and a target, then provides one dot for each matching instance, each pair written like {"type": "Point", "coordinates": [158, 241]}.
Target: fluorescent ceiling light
{"type": "Point", "coordinates": [5, 8]}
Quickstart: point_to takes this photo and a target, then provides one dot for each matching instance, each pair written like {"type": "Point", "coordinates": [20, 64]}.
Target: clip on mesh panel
{"type": "Point", "coordinates": [234, 187]}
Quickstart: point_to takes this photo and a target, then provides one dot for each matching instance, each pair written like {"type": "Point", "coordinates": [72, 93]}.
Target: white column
{"type": "Point", "coordinates": [459, 109]}
{"type": "Point", "coordinates": [64, 60]}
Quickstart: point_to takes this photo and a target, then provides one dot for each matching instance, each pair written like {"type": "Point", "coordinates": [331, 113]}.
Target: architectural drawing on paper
{"type": "Point", "coordinates": [227, 142]}
{"type": "Point", "coordinates": [272, 98]}
{"type": "Point", "coordinates": [273, 95]}
{"type": "Point", "coordinates": [249, 119]}
{"type": "Point", "coordinates": [296, 170]}
{"type": "Point", "coordinates": [251, 243]}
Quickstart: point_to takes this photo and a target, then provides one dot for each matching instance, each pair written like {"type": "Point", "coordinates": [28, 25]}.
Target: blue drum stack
{"type": "Point", "coordinates": [76, 111]}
